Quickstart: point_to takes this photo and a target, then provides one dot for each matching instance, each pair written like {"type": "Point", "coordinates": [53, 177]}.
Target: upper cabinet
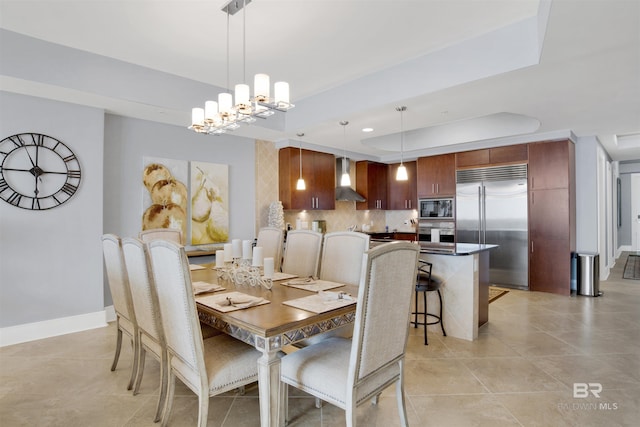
{"type": "Point", "coordinates": [402, 194]}
{"type": "Point", "coordinates": [492, 156]}
{"type": "Point", "coordinates": [318, 171]}
{"type": "Point", "coordinates": [371, 182]}
{"type": "Point", "coordinates": [436, 176]}
{"type": "Point", "coordinates": [548, 165]}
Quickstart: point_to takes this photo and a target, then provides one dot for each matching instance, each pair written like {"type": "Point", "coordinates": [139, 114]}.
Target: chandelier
{"type": "Point", "coordinates": [218, 117]}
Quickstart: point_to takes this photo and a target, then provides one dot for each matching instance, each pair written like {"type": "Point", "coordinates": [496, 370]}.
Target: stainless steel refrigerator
{"type": "Point", "coordinates": [491, 208]}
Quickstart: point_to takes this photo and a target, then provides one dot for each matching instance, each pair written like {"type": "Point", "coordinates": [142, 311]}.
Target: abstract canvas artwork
{"type": "Point", "coordinates": [165, 194]}
{"type": "Point", "coordinates": [209, 195]}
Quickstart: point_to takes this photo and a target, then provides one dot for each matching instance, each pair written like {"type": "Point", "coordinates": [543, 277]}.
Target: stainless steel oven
{"type": "Point", "coordinates": [437, 233]}
{"type": "Point", "coordinates": [436, 209]}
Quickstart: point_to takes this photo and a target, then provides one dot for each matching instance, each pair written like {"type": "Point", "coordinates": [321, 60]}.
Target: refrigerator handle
{"type": "Point", "coordinates": [484, 215]}
{"type": "Point", "coordinates": [479, 214]}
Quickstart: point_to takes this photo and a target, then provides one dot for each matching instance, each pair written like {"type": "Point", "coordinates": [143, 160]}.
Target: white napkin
{"type": "Point", "coordinates": [230, 301]}
{"type": "Point", "coordinates": [202, 287]}
{"type": "Point", "coordinates": [194, 267]}
{"type": "Point", "coordinates": [334, 296]}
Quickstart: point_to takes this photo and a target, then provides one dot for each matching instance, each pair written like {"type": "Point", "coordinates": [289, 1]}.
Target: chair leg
{"type": "Point", "coordinates": [284, 398]}
{"type": "Point", "coordinates": [171, 386]}
{"type": "Point", "coordinates": [134, 368]}
{"type": "Point", "coordinates": [141, 358]}
{"type": "Point", "coordinates": [415, 318]}
{"type": "Point", "coordinates": [318, 403]}
{"type": "Point", "coordinates": [118, 346]}
{"type": "Point", "coordinates": [402, 408]}
{"type": "Point", "coordinates": [441, 320]}
{"type": "Point", "coordinates": [424, 298]}
{"type": "Point", "coordinates": [163, 387]}
{"type": "Point", "coordinates": [350, 415]}
{"type": "Point", "coordinates": [203, 410]}
{"type": "Point", "coordinates": [375, 399]}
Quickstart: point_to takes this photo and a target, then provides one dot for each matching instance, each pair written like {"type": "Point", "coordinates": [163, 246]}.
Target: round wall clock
{"type": "Point", "coordinates": [37, 172]}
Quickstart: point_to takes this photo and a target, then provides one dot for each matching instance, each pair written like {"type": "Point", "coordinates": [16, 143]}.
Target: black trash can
{"type": "Point", "coordinates": [589, 274]}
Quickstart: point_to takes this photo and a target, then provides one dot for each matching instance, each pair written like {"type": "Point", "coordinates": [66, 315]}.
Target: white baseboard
{"type": "Point", "coordinates": [54, 327]}
{"type": "Point", "coordinates": [625, 248]}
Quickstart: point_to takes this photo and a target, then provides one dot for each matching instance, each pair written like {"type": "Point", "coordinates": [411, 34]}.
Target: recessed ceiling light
{"type": "Point", "coordinates": [367, 129]}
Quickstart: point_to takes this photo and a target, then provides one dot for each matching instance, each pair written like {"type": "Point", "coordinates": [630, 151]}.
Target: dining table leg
{"type": "Point", "coordinates": [271, 408]}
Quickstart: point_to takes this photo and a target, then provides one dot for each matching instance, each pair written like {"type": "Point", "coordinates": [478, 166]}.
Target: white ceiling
{"type": "Point", "coordinates": [467, 70]}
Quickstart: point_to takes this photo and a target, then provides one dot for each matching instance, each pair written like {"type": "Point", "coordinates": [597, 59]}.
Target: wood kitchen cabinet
{"type": "Point", "coordinates": [552, 216]}
{"type": "Point", "coordinates": [492, 156]}
{"type": "Point", "coordinates": [436, 176]}
{"type": "Point", "coordinates": [371, 182]}
{"type": "Point", "coordinates": [319, 173]}
{"type": "Point", "coordinates": [402, 194]}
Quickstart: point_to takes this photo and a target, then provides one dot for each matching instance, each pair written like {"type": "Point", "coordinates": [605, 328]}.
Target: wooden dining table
{"type": "Point", "coordinates": [269, 328]}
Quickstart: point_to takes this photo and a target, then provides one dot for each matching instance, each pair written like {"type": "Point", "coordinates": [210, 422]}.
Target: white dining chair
{"type": "Point", "coordinates": [302, 253]}
{"type": "Point", "coordinates": [171, 234]}
{"type": "Point", "coordinates": [146, 307]}
{"type": "Point", "coordinates": [348, 372]}
{"type": "Point", "coordinates": [271, 240]}
{"type": "Point", "coordinates": [342, 256]}
{"type": "Point", "coordinates": [210, 367]}
{"type": "Point", "coordinates": [121, 296]}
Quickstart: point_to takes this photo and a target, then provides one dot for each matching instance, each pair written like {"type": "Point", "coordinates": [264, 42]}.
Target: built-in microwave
{"type": "Point", "coordinates": [441, 208]}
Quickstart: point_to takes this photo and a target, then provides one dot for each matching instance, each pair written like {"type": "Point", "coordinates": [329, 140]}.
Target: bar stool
{"type": "Point", "coordinates": [426, 282]}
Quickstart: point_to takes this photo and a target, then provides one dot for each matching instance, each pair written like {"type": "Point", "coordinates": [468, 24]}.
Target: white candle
{"type": "Point", "coordinates": [258, 255]}
{"type": "Point", "coordinates": [220, 258]}
{"type": "Point", "coordinates": [246, 249]}
{"type": "Point", "coordinates": [268, 268]}
{"type": "Point", "coordinates": [228, 252]}
{"type": "Point", "coordinates": [236, 244]}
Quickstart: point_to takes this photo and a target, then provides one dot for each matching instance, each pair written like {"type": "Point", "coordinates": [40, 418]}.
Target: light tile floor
{"type": "Point", "coordinates": [520, 372]}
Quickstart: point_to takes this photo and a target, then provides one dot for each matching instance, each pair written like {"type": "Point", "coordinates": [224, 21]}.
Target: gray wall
{"type": "Point", "coordinates": [51, 261]}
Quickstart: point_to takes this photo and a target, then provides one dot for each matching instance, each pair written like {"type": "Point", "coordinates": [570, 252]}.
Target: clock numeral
{"type": "Point", "coordinates": [39, 140]}
{"type": "Point", "coordinates": [69, 189]}
{"type": "Point", "coordinates": [69, 158]}
{"type": "Point", "coordinates": [35, 203]}
{"type": "Point", "coordinates": [3, 185]}
{"type": "Point", "coordinates": [15, 199]}
{"type": "Point", "coordinates": [73, 174]}
{"type": "Point", "coordinates": [56, 199]}
{"type": "Point", "coordinates": [17, 140]}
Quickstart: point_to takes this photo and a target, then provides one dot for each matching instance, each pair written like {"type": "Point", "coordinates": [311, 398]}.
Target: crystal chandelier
{"type": "Point", "coordinates": [218, 117]}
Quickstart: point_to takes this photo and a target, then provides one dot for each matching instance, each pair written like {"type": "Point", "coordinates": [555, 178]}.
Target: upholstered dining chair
{"type": "Point", "coordinates": [302, 253]}
{"type": "Point", "coordinates": [146, 307]}
{"type": "Point", "coordinates": [210, 367]}
{"type": "Point", "coordinates": [341, 259]}
{"type": "Point", "coordinates": [170, 234]}
{"type": "Point", "coordinates": [347, 372]}
{"type": "Point", "coordinates": [271, 239]}
{"type": "Point", "coordinates": [121, 296]}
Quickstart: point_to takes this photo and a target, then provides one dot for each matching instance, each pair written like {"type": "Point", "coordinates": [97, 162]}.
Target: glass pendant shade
{"type": "Point", "coordinates": [210, 111]}
{"type": "Point", "coordinates": [261, 87]}
{"type": "Point", "coordinates": [281, 90]}
{"type": "Point", "coordinates": [242, 95]}
{"type": "Point", "coordinates": [300, 185]}
{"type": "Point", "coordinates": [197, 117]}
{"type": "Point", "coordinates": [401, 174]}
{"type": "Point", "coordinates": [225, 103]}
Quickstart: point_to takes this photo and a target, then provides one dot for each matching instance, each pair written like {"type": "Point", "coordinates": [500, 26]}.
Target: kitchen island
{"type": "Point", "coordinates": [464, 273]}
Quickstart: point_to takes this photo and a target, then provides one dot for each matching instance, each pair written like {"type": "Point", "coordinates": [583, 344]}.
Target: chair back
{"type": "Point", "coordinates": [271, 239]}
{"type": "Point", "coordinates": [302, 253]}
{"type": "Point", "coordinates": [170, 234]}
{"type": "Point", "coordinates": [388, 280]}
{"type": "Point", "coordinates": [117, 277]}
{"type": "Point", "coordinates": [342, 256]}
{"type": "Point", "coordinates": [183, 337]}
{"type": "Point", "coordinates": [143, 293]}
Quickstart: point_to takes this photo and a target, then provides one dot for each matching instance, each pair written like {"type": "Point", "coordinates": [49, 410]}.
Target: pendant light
{"type": "Point", "coordinates": [345, 180]}
{"type": "Point", "coordinates": [300, 185]}
{"type": "Point", "coordinates": [401, 174]}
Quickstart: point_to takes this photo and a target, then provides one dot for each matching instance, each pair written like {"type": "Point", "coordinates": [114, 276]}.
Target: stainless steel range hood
{"type": "Point", "coordinates": [345, 193]}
